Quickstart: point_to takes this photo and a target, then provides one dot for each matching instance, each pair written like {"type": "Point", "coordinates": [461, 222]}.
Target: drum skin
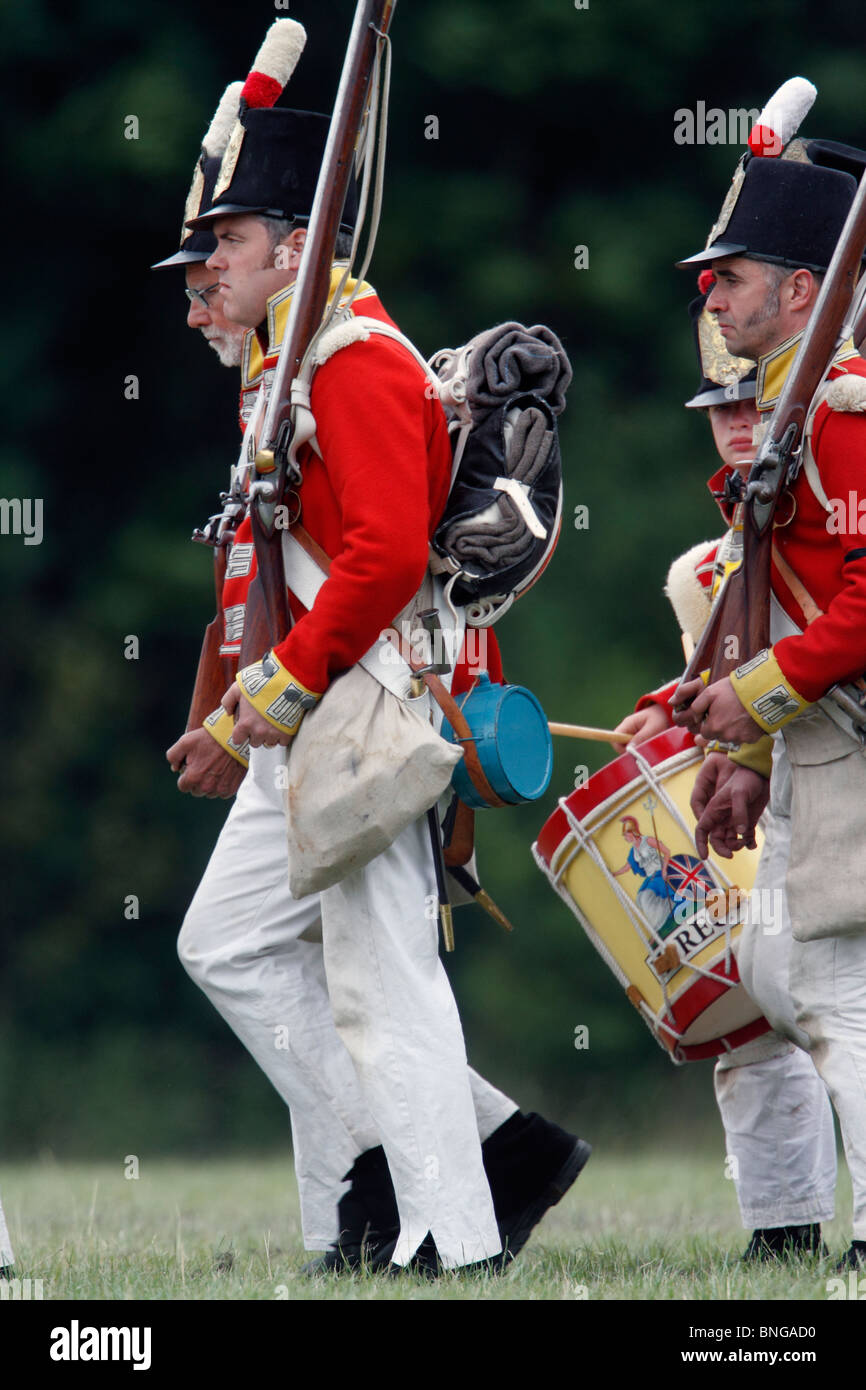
{"type": "Point", "coordinates": [620, 851]}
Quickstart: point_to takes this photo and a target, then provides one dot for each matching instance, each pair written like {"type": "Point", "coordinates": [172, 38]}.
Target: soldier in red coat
{"type": "Point", "coordinates": [340, 996]}
{"type": "Point", "coordinates": [778, 229]}
{"type": "Point", "coordinates": [777, 1117]}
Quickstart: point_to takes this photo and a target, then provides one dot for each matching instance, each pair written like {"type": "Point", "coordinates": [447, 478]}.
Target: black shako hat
{"type": "Point", "coordinates": [724, 378]}
{"type": "Point", "coordinates": [780, 210]}
{"type": "Point", "coordinates": [271, 167]}
{"type": "Point", "coordinates": [197, 245]}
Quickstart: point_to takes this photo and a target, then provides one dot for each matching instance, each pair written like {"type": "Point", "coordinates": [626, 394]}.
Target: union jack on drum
{"type": "Point", "coordinates": [620, 851]}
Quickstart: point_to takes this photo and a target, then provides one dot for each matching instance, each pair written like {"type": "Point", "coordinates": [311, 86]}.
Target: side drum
{"type": "Point", "coordinates": [620, 851]}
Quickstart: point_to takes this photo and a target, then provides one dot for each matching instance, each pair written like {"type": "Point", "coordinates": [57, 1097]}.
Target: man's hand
{"type": "Point", "coordinates": [644, 724]}
{"type": "Point", "coordinates": [205, 768]}
{"type": "Point", "coordinates": [727, 802]}
{"type": "Point", "coordinates": [715, 712]}
{"type": "Point", "coordinates": [249, 724]}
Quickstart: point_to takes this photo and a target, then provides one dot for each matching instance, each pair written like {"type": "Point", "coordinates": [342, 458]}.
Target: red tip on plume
{"type": "Point", "coordinates": [706, 280]}
{"type": "Point", "coordinates": [765, 143]}
{"type": "Point", "coordinates": [261, 90]}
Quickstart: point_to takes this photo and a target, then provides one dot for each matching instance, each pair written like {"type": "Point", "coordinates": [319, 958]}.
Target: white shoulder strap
{"type": "Point", "coordinates": [388, 331]}
{"type": "Point", "coordinates": [353, 328]}
{"type": "Point", "coordinates": [810, 467]}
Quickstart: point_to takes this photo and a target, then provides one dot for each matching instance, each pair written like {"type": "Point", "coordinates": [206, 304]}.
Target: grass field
{"type": "Point", "coordinates": [645, 1226]}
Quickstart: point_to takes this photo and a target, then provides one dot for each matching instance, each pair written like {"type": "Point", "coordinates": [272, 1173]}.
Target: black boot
{"type": "Point", "coordinates": [854, 1258]}
{"type": "Point", "coordinates": [368, 1220]}
{"type": "Point", "coordinates": [783, 1243]}
{"type": "Point", "coordinates": [530, 1164]}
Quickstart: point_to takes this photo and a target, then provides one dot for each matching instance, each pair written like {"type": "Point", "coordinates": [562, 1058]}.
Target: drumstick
{"type": "Point", "coordinates": [584, 731]}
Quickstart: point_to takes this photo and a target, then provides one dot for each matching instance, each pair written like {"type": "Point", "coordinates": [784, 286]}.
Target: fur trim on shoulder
{"type": "Point", "coordinates": [690, 601]}
{"type": "Point", "coordinates": [342, 336]}
{"type": "Point", "coordinates": [848, 393]}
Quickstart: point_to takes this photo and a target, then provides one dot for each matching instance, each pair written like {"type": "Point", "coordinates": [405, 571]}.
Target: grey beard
{"type": "Point", "coordinates": [227, 349]}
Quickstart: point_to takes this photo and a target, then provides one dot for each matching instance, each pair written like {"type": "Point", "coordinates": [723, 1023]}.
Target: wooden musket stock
{"type": "Point", "coordinates": [215, 673]}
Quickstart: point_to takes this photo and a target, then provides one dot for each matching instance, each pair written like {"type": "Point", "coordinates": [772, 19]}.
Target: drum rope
{"type": "Point", "coordinates": [656, 1021]}
{"type": "Point", "coordinates": [599, 944]}
{"type": "Point", "coordinates": [651, 941]}
{"type": "Point", "coordinates": [639, 922]}
{"type": "Point", "coordinates": [717, 874]}
{"type": "Point", "coordinates": [674, 811]}
{"type": "Point", "coordinates": [641, 925]}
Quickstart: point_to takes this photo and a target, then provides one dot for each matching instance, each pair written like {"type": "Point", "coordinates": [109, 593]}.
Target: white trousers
{"type": "Point", "coordinates": [6, 1255]}
{"type": "Point", "coordinates": [774, 1106]}
{"type": "Point", "coordinates": [342, 1000]}
{"type": "Point", "coordinates": [828, 984]}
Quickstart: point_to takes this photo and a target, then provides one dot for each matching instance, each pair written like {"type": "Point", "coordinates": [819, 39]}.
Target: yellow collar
{"type": "Point", "coordinates": [277, 316]}
{"type": "Point", "coordinates": [774, 367]}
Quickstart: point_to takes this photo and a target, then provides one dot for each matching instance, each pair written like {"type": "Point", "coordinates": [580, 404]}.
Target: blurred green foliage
{"type": "Point", "coordinates": [555, 130]}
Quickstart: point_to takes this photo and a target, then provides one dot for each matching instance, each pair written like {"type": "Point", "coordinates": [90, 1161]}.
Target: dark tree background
{"type": "Point", "coordinates": [555, 131]}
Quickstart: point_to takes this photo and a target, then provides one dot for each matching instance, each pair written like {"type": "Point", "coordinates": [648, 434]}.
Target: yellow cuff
{"type": "Point", "coordinates": [758, 755]}
{"type": "Point", "coordinates": [274, 692]}
{"type": "Point", "coordinates": [221, 726]}
{"type": "Point", "coordinates": [764, 692]}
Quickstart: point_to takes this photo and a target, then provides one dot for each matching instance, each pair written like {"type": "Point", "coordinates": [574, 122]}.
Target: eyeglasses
{"type": "Point", "coordinates": [200, 296]}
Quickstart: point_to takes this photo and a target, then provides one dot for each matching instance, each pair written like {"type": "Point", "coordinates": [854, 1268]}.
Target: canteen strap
{"type": "Point", "coordinates": [462, 732]}
{"type": "Point", "coordinates": [458, 830]}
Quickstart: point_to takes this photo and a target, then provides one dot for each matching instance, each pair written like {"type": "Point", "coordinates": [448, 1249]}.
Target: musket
{"type": "Point", "coordinates": [740, 623]}
{"type": "Point", "coordinates": [215, 673]}
{"type": "Point", "coordinates": [267, 614]}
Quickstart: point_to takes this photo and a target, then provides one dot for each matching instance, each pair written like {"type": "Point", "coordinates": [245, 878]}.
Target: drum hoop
{"type": "Point", "coordinates": [700, 1052]}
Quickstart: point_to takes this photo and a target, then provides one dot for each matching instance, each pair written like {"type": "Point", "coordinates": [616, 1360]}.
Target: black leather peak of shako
{"type": "Point", "coordinates": [787, 212]}
{"type": "Point", "coordinates": [278, 168]}
{"type": "Point", "coordinates": [199, 243]}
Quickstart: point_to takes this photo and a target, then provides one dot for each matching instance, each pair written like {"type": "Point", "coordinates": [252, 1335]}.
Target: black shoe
{"type": "Point", "coordinates": [426, 1262]}
{"type": "Point", "coordinates": [854, 1258]}
{"type": "Point", "coordinates": [530, 1165]}
{"type": "Point", "coordinates": [529, 1162]}
{"type": "Point", "coordinates": [369, 1222]}
{"type": "Point", "coordinates": [784, 1243]}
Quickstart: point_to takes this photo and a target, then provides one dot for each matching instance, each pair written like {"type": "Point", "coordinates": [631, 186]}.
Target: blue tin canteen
{"type": "Point", "coordinates": [513, 742]}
